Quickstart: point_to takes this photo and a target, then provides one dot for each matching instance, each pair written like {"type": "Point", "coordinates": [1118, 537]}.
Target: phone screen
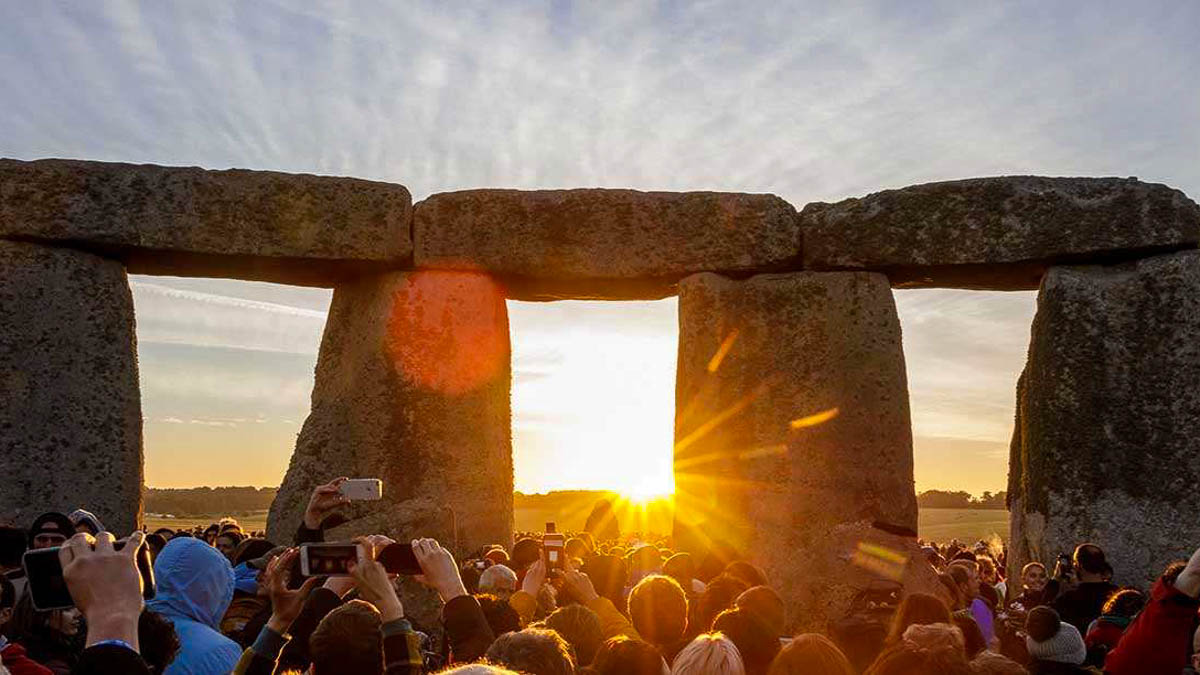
{"type": "Point", "coordinates": [47, 588]}
{"type": "Point", "coordinates": [329, 559]}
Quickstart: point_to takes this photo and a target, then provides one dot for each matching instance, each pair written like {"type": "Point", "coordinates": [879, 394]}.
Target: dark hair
{"type": "Point", "coordinates": [717, 597]}
{"type": "Point", "coordinates": [1042, 623]}
{"type": "Point", "coordinates": [811, 654]}
{"type": "Point", "coordinates": [499, 614]}
{"type": "Point", "coordinates": [965, 555]}
{"type": "Point", "coordinates": [909, 659]}
{"type": "Point", "coordinates": [168, 530]}
{"type": "Point", "coordinates": [8, 593]}
{"type": "Point", "coordinates": [917, 608]}
{"type": "Point", "coordinates": [581, 628]}
{"type": "Point", "coordinates": [972, 634]}
{"type": "Point", "coordinates": [749, 574]}
{"type": "Point", "coordinates": [1126, 602]}
{"type": "Point", "coordinates": [156, 542]}
{"type": "Point", "coordinates": [158, 641]}
{"type": "Point", "coordinates": [765, 605]}
{"type": "Point", "coordinates": [347, 641]}
{"type": "Point", "coordinates": [608, 574]}
{"type": "Point", "coordinates": [12, 546]}
{"type": "Point", "coordinates": [658, 609]}
{"type": "Point", "coordinates": [757, 645]}
{"type": "Point", "coordinates": [251, 548]}
{"type": "Point", "coordinates": [627, 656]}
{"type": "Point", "coordinates": [525, 552]}
{"type": "Point", "coordinates": [1090, 558]}
{"type": "Point", "coordinates": [533, 650]}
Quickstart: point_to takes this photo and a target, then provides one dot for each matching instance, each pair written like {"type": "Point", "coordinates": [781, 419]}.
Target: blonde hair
{"type": "Point", "coordinates": [709, 653]}
{"type": "Point", "coordinates": [811, 654]}
{"type": "Point", "coordinates": [478, 669]}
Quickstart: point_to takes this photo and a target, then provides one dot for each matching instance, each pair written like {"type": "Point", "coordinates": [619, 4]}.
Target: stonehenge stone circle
{"type": "Point", "coordinates": [186, 221]}
{"type": "Point", "coordinates": [412, 387]}
{"type": "Point", "coordinates": [70, 408]}
{"type": "Point", "coordinates": [1105, 449]}
{"type": "Point", "coordinates": [605, 244]}
{"type": "Point", "coordinates": [793, 421]}
{"type": "Point", "coordinates": [997, 233]}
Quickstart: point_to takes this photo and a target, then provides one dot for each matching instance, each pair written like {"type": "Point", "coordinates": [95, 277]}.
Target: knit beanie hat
{"type": "Point", "coordinates": [1049, 639]}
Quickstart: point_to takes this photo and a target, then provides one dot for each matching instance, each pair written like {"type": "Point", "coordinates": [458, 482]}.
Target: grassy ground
{"type": "Point", "coordinates": [936, 524]}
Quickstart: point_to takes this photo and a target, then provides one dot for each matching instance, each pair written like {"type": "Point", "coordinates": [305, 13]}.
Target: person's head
{"type": "Point", "coordinates": [498, 580]}
{"type": "Point", "coordinates": [757, 644]}
{"type": "Point", "coordinates": [158, 642]}
{"type": "Point", "coordinates": [987, 570]}
{"type": "Point", "coordinates": [717, 597]}
{"type": "Point", "coordinates": [747, 573]}
{"type": "Point", "coordinates": [1127, 603]}
{"type": "Point", "coordinates": [644, 561]}
{"type": "Point", "coordinates": [499, 614]}
{"type": "Point", "coordinates": [917, 608]}
{"type": "Point", "coordinates": [935, 648]}
{"type": "Point", "coordinates": [969, 588]}
{"type": "Point", "coordinates": [227, 542]}
{"type": "Point", "coordinates": [253, 548]}
{"type": "Point", "coordinates": [536, 651]}
{"type": "Point", "coordinates": [347, 641]}
{"type": "Point", "coordinates": [658, 609]}
{"type": "Point", "coordinates": [8, 600]}
{"type": "Point", "coordinates": [1033, 577]}
{"type": "Point", "coordinates": [951, 585]}
{"type": "Point", "coordinates": [478, 669]}
{"type": "Point", "coordinates": [155, 542]}
{"type": "Point", "coordinates": [211, 532]}
{"type": "Point", "coordinates": [165, 532]}
{"type": "Point", "coordinates": [12, 547]}
{"type": "Point", "coordinates": [497, 555]}
{"type": "Point", "coordinates": [709, 654]}
{"type": "Point", "coordinates": [623, 655]}
{"type": "Point", "coordinates": [972, 634]}
{"type": "Point", "coordinates": [1049, 639]}
{"type": "Point", "coordinates": [765, 605]}
{"type": "Point", "coordinates": [193, 580]}
{"type": "Point", "coordinates": [811, 654]}
{"type": "Point", "coordinates": [86, 521]}
{"type": "Point", "coordinates": [991, 663]}
{"type": "Point", "coordinates": [681, 568]}
{"type": "Point", "coordinates": [608, 574]}
{"type": "Point", "coordinates": [49, 530]}
{"type": "Point", "coordinates": [576, 548]}
{"type": "Point", "coordinates": [1090, 563]}
{"type": "Point", "coordinates": [581, 628]}
{"type": "Point", "coordinates": [525, 552]}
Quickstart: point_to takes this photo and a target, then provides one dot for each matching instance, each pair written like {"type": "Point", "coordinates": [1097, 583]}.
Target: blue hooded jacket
{"type": "Point", "coordinates": [194, 588]}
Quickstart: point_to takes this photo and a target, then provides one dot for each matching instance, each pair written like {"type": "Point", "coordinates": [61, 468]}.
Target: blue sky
{"type": "Point", "coordinates": [810, 101]}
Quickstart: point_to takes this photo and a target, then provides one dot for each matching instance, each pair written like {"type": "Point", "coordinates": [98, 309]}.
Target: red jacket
{"type": "Point", "coordinates": [13, 657]}
{"type": "Point", "coordinates": [1159, 640]}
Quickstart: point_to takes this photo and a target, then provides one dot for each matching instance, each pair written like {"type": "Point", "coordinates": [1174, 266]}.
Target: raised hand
{"type": "Point", "coordinates": [324, 499]}
{"type": "Point", "coordinates": [285, 603]}
{"type": "Point", "coordinates": [374, 586]}
{"type": "Point", "coordinates": [440, 570]}
{"type": "Point", "coordinates": [105, 585]}
{"type": "Point", "coordinates": [535, 576]}
{"type": "Point", "coordinates": [579, 585]}
{"type": "Point", "coordinates": [1188, 581]}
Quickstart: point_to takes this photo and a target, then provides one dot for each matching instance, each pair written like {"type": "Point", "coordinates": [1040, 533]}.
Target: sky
{"type": "Point", "coordinates": [811, 101]}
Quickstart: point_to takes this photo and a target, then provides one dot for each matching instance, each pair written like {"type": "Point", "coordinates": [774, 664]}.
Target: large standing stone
{"type": "Point", "coordinates": [1105, 449]}
{"type": "Point", "coordinates": [186, 221]}
{"type": "Point", "coordinates": [412, 387]}
{"type": "Point", "coordinates": [996, 233]}
{"type": "Point", "coordinates": [793, 430]}
{"type": "Point", "coordinates": [606, 244]}
{"type": "Point", "coordinates": [70, 409]}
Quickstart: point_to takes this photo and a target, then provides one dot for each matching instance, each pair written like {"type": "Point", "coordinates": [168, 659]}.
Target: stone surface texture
{"type": "Point", "coordinates": [186, 221]}
{"type": "Point", "coordinates": [793, 422]}
{"type": "Point", "coordinates": [412, 387]}
{"type": "Point", "coordinates": [605, 244]}
{"type": "Point", "coordinates": [1105, 447]}
{"type": "Point", "coordinates": [997, 233]}
{"type": "Point", "coordinates": [70, 408]}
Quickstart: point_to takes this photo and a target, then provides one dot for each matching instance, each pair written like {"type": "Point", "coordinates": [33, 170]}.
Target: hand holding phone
{"type": "Point", "coordinates": [362, 489]}
{"type": "Point", "coordinates": [98, 564]}
{"type": "Point", "coordinates": [554, 548]}
{"type": "Point", "coordinates": [328, 559]}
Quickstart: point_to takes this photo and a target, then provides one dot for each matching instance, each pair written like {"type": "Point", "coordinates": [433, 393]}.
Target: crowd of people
{"type": "Point", "coordinates": [231, 602]}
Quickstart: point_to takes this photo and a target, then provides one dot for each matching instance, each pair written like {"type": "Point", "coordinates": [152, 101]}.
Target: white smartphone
{"type": "Point", "coordinates": [362, 489]}
{"type": "Point", "coordinates": [325, 559]}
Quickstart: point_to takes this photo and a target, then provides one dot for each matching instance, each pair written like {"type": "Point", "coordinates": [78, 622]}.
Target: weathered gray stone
{"type": "Point", "coordinates": [70, 409]}
{"type": "Point", "coordinates": [1105, 448]}
{"type": "Point", "coordinates": [793, 422]}
{"type": "Point", "coordinates": [412, 387]}
{"type": "Point", "coordinates": [186, 221]}
{"type": "Point", "coordinates": [997, 233]}
{"type": "Point", "coordinates": [606, 244]}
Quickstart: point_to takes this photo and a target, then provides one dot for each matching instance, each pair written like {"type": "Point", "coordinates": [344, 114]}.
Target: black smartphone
{"type": "Point", "coordinates": [48, 589]}
{"type": "Point", "coordinates": [399, 558]}
{"type": "Point", "coordinates": [327, 560]}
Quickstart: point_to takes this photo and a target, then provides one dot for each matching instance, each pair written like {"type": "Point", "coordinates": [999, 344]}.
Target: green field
{"type": "Point", "coordinates": [940, 525]}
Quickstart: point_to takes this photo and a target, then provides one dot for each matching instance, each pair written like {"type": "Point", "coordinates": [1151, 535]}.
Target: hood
{"type": "Point", "coordinates": [194, 582]}
{"type": "Point", "coordinates": [88, 518]}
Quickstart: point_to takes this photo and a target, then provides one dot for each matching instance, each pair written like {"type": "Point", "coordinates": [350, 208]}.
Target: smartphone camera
{"type": "Point", "coordinates": [553, 548]}
{"type": "Point", "coordinates": [48, 589]}
{"type": "Point", "coordinates": [327, 560]}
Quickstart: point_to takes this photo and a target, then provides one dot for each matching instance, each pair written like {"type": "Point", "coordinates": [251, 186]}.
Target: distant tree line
{"type": "Point", "coordinates": [942, 499]}
{"type": "Point", "coordinates": [208, 501]}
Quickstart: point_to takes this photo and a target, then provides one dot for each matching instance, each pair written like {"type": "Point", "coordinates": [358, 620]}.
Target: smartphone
{"type": "Point", "coordinates": [362, 489]}
{"type": "Point", "coordinates": [553, 545]}
{"type": "Point", "coordinates": [48, 589]}
{"type": "Point", "coordinates": [327, 560]}
{"type": "Point", "coordinates": [399, 558]}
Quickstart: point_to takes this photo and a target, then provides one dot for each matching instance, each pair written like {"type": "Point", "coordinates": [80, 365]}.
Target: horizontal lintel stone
{"type": "Point", "coordinates": [998, 233]}
{"type": "Point", "coordinates": [187, 221]}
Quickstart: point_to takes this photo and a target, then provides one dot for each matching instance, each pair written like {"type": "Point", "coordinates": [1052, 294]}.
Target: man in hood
{"type": "Point", "coordinates": [195, 587]}
{"type": "Point", "coordinates": [86, 521]}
